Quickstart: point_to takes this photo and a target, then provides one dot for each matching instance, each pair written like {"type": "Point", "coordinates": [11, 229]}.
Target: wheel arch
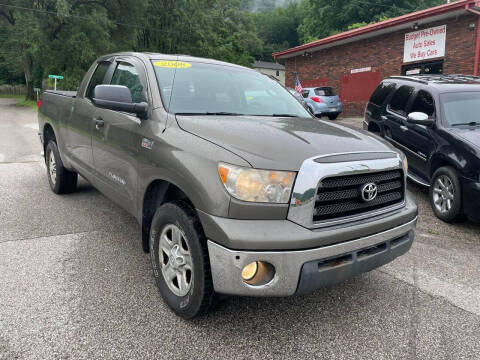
{"type": "Point", "coordinates": [374, 128]}
{"type": "Point", "coordinates": [48, 133]}
{"type": "Point", "coordinates": [439, 160]}
{"type": "Point", "coordinates": [158, 192]}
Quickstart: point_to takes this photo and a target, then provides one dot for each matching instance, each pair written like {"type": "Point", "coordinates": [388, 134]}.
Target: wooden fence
{"type": "Point", "coordinates": [13, 89]}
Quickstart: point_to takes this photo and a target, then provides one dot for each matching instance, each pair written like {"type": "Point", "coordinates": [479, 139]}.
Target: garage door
{"type": "Point", "coordinates": [356, 89]}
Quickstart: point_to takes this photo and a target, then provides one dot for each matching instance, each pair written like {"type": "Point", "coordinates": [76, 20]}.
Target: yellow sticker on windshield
{"type": "Point", "coordinates": [172, 64]}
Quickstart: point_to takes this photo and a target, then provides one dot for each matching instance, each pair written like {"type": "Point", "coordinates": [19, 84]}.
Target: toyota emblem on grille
{"type": "Point", "coordinates": [369, 192]}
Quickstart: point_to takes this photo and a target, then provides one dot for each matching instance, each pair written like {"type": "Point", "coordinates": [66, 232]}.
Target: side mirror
{"type": "Point", "coordinates": [419, 118]}
{"type": "Point", "coordinates": [118, 98]}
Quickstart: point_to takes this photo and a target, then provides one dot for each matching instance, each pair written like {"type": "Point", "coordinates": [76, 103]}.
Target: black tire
{"type": "Point", "coordinates": [201, 297]}
{"type": "Point", "coordinates": [65, 181]}
{"type": "Point", "coordinates": [333, 117]}
{"type": "Point", "coordinates": [453, 213]}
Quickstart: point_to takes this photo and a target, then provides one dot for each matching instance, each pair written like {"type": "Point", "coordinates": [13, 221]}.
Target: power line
{"type": "Point", "coordinates": [80, 17]}
{"type": "Point", "coordinates": [383, 5]}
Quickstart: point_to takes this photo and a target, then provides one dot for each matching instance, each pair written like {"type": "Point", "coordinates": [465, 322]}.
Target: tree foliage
{"type": "Point", "coordinates": [41, 37]}
{"type": "Point", "coordinates": [326, 17]}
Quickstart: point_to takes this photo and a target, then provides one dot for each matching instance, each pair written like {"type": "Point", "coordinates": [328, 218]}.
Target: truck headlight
{"type": "Point", "coordinates": [254, 185]}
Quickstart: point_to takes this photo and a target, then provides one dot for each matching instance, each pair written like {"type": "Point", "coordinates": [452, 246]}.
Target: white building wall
{"type": "Point", "coordinates": [280, 77]}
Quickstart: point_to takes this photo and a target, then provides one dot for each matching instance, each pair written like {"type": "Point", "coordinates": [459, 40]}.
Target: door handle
{"type": "Point", "coordinates": [403, 128]}
{"type": "Point", "coordinates": [99, 123]}
{"type": "Point", "coordinates": [384, 118]}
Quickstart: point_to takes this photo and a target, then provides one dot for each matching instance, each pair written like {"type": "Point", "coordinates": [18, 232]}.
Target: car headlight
{"type": "Point", "coordinates": [254, 185]}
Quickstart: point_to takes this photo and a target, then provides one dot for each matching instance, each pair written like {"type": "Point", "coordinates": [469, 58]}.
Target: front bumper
{"type": "Point", "coordinates": [471, 198]}
{"type": "Point", "coordinates": [302, 271]}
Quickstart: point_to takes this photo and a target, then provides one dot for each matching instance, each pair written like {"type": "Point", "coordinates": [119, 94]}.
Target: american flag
{"type": "Point", "coordinates": [298, 86]}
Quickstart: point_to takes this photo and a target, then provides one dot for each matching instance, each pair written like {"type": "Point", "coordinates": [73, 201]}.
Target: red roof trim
{"type": "Point", "coordinates": [437, 10]}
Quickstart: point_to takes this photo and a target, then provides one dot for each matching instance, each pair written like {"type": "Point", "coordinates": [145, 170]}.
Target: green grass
{"type": "Point", "coordinates": [22, 102]}
{"type": "Point", "coordinates": [29, 103]}
{"type": "Point", "coordinates": [11, 96]}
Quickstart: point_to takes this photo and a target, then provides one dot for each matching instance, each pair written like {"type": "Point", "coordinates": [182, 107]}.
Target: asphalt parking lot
{"type": "Point", "coordinates": [74, 283]}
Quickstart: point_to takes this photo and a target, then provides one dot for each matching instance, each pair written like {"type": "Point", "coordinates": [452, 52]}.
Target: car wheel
{"type": "Point", "coordinates": [62, 181]}
{"type": "Point", "coordinates": [333, 117]}
{"type": "Point", "coordinates": [446, 194]}
{"type": "Point", "coordinates": [179, 254]}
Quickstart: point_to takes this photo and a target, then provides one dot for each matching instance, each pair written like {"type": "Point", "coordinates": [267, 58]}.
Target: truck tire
{"type": "Point", "coordinates": [181, 266]}
{"type": "Point", "coordinates": [62, 181]}
{"type": "Point", "coordinates": [446, 194]}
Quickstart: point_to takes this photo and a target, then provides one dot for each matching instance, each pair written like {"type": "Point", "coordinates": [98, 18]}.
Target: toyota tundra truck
{"type": "Point", "coordinates": [238, 189]}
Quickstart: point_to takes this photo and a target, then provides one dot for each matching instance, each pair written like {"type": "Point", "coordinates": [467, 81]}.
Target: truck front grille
{"type": "Point", "coordinates": [341, 196]}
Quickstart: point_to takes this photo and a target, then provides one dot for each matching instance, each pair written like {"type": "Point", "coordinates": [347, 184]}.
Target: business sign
{"type": "Point", "coordinates": [425, 44]}
{"type": "Point", "coordinates": [365, 69]}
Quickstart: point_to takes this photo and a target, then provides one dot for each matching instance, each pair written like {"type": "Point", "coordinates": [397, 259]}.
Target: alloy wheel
{"type": "Point", "coordinates": [52, 168]}
{"type": "Point", "coordinates": [443, 194]}
{"type": "Point", "coordinates": [176, 260]}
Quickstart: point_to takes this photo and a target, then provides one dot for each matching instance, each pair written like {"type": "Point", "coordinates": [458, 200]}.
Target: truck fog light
{"type": "Point", "coordinates": [258, 273]}
{"type": "Point", "coordinates": [249, 271]}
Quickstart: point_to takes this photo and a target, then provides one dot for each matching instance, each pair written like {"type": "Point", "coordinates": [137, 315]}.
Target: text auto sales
{"type": "Point", "coordinates": [423, 44]}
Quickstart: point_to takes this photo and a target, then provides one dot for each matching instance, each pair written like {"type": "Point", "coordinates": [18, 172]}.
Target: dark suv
{"type": "Point", "coordinates": [435, 120]}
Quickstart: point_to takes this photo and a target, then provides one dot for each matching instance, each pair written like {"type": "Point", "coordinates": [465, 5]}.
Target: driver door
{"type": "Point", "coordinates": [116, 139]}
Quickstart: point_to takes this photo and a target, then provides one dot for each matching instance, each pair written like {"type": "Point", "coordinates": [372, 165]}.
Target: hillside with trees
{"type": "Point", "coordinates": [41, 37]}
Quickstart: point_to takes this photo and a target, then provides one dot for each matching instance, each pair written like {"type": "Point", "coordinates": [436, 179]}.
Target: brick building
{"type": "Point", "coordinates": [442, 39]}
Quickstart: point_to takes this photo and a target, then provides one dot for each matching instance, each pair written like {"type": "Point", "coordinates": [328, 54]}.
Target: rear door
{"type": "Point", "coordinates": [117, 141]}
{"type": "Point", "coordinates": [419, 138]}
{"type": "Point", "coordinates": [395, 118]}
{"type": "Point", "coordinates": [80, 124]}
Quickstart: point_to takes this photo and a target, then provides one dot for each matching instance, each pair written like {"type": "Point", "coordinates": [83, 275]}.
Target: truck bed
{"type": "Point", "coordinates": [57, 104]}
{"type": "Point", "coordinates": [71, 94]}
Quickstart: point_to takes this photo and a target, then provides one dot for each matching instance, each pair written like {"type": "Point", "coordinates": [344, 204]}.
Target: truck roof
{"type": "Point", "coordinates": [147, 56]}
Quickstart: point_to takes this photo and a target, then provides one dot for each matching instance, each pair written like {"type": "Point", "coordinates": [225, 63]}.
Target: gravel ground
{"type": "Point", "coordinates": [74, 283]}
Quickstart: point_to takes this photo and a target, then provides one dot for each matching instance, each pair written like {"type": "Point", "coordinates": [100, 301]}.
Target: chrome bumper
{"type": "Point", "coordinates": [226, 264]}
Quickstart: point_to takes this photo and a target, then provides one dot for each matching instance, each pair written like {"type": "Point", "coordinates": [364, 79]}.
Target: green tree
{"type": "Point", "coordinates": [278, 28]}
{"type": "Point", "coordinates": [210, 28]}
{"type": "Point", "coordinates": [327, 17]}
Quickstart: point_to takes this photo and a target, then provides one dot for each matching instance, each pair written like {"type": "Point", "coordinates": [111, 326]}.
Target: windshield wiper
{"type": "Point", "coordinates": [211, 113]}
{"type": "Point", "coordinates": [471, 123]}
{"type": "Point", "coordinates": [276, 115]}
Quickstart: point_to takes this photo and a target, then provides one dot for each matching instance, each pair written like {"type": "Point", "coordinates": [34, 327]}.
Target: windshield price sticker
{"type": "Point", "coordinates": [172, 64]}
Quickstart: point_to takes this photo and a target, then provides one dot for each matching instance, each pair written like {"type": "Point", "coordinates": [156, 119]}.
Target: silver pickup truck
{"type": "Point", "coordinates": [237, 188]}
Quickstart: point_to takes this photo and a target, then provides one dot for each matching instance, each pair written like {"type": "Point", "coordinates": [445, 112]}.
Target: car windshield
{"type": "Point", "coordinates": [324, 91]}
{"type": "Point", "coordinates": [461, 108]}
{"type": "Point", "coordinates": [199, 88]}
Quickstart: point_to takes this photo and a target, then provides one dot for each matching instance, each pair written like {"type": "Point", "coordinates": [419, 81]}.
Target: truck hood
{"type": "Point", "coordinates": [471, 135]}
{"type": "Point", "coordinates": [279, 143]}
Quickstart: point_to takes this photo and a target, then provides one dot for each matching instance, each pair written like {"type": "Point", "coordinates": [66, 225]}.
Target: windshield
{"type": "Point", "coordinates": [199, 88]}
{"type": "Point", "coordinates": [324, 91]}
{"type": "Point", "coordinates": [461, 108]}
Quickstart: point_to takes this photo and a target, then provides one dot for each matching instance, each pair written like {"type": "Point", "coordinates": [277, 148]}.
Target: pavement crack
{"type": "Point", "coordinates": [433, 296]}
{"type": "Point", "coordinates": [413, 314]}
{"type": "Point", "coordinates": [20, 162]}
{"type": "Point", "coordinates": [48, 236]}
